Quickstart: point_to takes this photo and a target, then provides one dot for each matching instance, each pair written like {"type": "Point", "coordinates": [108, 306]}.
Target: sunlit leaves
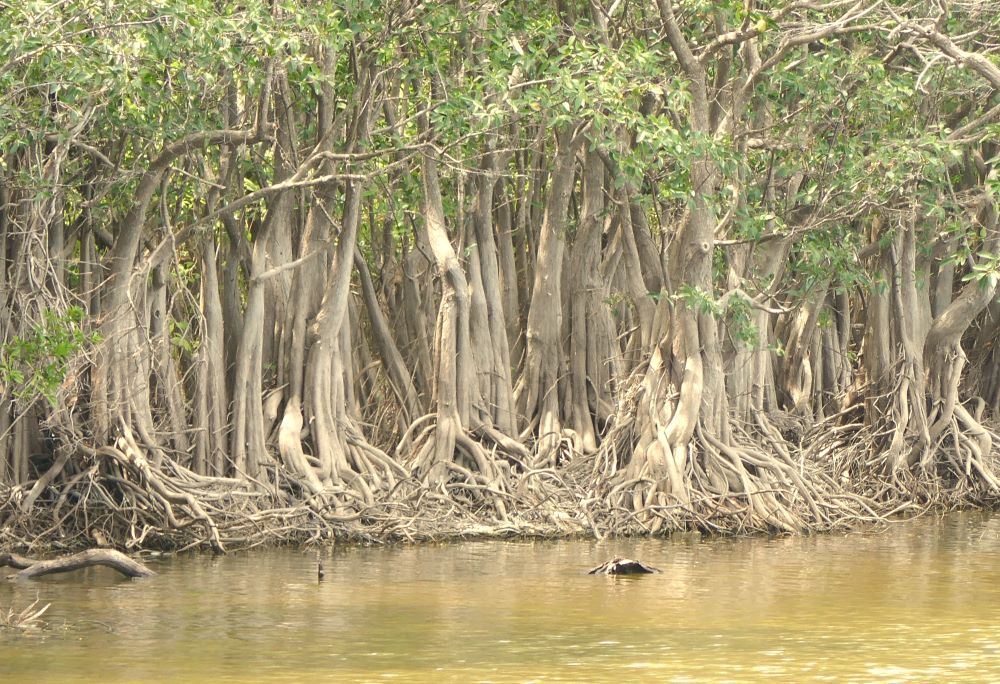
{"type": "Point", "coordinates": [35, 364]}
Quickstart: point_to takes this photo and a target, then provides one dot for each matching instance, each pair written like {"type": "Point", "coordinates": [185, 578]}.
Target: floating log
{"type": "Point", "coordinates": [110, 558]}
{"type": "Point", "coordinates": [623, 566]}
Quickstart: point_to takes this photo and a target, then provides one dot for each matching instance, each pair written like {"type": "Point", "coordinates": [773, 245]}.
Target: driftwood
{"type": "Point", "coordinates": [623, 566]}
{"type": "Point", "coordinates": [115, 560]}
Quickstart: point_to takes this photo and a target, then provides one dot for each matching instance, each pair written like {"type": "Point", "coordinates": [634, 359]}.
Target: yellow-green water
{"type": "Point", "coordinates": [919, 602]}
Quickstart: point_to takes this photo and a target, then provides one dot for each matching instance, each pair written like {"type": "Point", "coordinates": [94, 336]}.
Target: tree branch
{"type": "Point", "coordinates": [116, 560]}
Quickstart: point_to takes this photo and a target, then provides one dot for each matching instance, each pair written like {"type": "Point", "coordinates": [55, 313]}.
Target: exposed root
{"type": "Point", "coordinates": [757, 482]}
{"type": "Point", "coordinates": [477, 468]}
{"type": "Point", "coordinates": [957, 470]}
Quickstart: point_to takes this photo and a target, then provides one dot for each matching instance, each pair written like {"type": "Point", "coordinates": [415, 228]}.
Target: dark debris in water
{"type": "Point", "coordinates": [623, 566]}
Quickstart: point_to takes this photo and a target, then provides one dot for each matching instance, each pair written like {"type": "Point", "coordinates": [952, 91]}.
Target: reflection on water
{"type": "Point", "coordinates": [918, 602]}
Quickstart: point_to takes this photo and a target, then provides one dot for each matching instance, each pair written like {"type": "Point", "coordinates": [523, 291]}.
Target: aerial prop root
{"type": "Point", "coordinates": [161, 490]}
{"type": "Point", "coordinates": [974, 442]}
{"type": "Point", "coordinates": [757, 479]}
{"type": "Point", "coordinates": [450, 457]}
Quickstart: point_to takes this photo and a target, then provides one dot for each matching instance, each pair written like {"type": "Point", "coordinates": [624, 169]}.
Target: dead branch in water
{"type": "Point", "coordinates": [116, 560]}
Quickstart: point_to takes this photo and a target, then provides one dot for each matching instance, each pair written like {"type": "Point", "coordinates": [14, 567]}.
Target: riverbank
{"type": "Point", "coordinates": [132, 505]}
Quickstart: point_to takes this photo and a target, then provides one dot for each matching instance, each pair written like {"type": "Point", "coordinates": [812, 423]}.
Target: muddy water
{"type": "Point", "coordinates": [919, 602]}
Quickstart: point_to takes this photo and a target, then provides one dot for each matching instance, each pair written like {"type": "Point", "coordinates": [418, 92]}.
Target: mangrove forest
{"type": "Point", "coordinates": [287, 271]}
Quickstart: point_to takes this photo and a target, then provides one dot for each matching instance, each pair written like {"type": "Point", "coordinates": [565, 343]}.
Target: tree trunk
{"type": "Point", "coordinates": [537, 394]}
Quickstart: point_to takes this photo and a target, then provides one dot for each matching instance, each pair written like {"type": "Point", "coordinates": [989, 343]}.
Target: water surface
{"type": "Point", "coordinates": [918, 602]}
